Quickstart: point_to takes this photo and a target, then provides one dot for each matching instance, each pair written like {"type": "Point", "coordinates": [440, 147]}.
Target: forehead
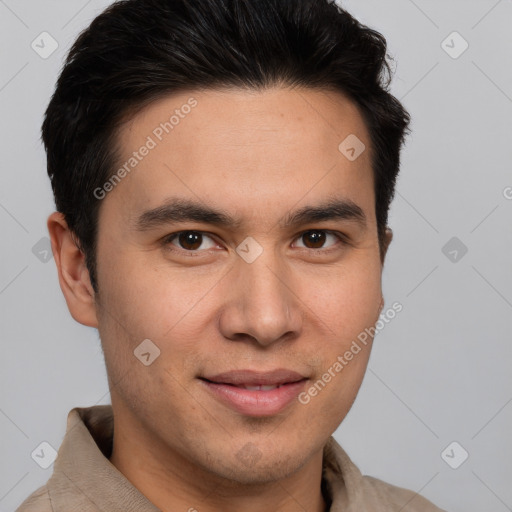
{"type": "Point", "coordinates": [245, 148]}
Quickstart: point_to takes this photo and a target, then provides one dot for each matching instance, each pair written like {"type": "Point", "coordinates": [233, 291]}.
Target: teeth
{"type": "Point", "coordinates": [260, 388]}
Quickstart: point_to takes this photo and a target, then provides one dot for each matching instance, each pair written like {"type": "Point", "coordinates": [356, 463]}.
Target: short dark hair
{"type": "Point", "coordinates": [138, 51]}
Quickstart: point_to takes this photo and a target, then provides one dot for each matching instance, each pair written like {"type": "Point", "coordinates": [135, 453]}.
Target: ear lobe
{"type": "Point", "coordinates": [73, 274]}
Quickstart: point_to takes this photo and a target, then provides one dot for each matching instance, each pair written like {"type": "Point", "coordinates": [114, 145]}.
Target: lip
{"type": "Point", "coordinates": [225, 387]}
{"type": "Point", "coordinates": [255, 377]}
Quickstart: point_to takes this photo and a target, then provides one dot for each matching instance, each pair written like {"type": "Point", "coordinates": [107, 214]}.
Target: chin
{"type": "Point", "coordinates": [250, 466]}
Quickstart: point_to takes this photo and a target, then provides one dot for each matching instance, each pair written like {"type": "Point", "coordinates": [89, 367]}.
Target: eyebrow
{"type": "Point", "coordinates": [186, 210]}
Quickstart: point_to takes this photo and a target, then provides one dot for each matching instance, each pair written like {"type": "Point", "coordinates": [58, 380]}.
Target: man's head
{"type": "Point", "coordinates": [226, 168]}
{"type": "Point", "coordinates": [141, 50]}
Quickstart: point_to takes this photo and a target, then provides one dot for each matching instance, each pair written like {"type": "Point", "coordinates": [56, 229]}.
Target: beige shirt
{"type": "Point", "coordinates": [84, 480]}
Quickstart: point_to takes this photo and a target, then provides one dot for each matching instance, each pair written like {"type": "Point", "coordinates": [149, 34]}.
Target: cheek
{"type": "Point", "coordinates": [346, 300]}
{"type": "Point", "coordinates": [344, 306]}
{"type": "Point", "coordinates": [151, 300]}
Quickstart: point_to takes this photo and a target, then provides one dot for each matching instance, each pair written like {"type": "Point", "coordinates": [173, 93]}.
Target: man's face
{"type": "Point", "coordinates": [293, 296]}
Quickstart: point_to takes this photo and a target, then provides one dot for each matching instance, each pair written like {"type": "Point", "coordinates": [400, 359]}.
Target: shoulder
{"type": "Point", "coordinates": [38, 501]}
{"type": "Point", "coordinates": [397, 498]}
{"type": "Point", "coordinates": [350, 487]}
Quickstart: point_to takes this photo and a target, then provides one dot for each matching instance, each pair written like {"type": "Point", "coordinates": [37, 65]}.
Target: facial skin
{"type": "Point", "coordinates": [258, 156]}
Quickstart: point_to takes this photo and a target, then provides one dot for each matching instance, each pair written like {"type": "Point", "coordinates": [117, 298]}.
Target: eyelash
{"type": "Point", "coordinates": [166, 241]}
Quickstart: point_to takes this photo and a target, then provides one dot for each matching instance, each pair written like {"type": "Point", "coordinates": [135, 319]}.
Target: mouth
{"type": "Point", "coordinates": [255, 378]}
{"type": "Point", "coordinates": [255, 393]}
{"type": "Point", "coordinates": [260, 387]}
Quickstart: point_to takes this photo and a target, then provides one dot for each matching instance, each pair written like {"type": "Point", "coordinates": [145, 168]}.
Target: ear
{"type": "Point", "coordinates": [74, 277]}
{"type": "Point", "coordinates": [388, 236]}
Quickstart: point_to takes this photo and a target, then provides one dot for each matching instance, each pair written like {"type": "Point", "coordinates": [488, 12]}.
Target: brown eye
{"type": "Point", "coordinates": [190, 240]}
{"type": "Point", "coordinates": [314, 239]}
{"type": "Point", "coordinates": [318, 238]}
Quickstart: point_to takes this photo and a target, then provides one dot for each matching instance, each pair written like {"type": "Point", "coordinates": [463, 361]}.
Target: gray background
{"type": "Point", "coordinates": [439, 372]}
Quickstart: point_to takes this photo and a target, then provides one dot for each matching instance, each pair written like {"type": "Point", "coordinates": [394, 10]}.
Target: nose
{"type": "Point", "coordinates": [261, 304]}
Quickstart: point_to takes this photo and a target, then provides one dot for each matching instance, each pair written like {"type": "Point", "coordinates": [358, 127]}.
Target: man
{"type": "Point", "coordinates": [222, 172]}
